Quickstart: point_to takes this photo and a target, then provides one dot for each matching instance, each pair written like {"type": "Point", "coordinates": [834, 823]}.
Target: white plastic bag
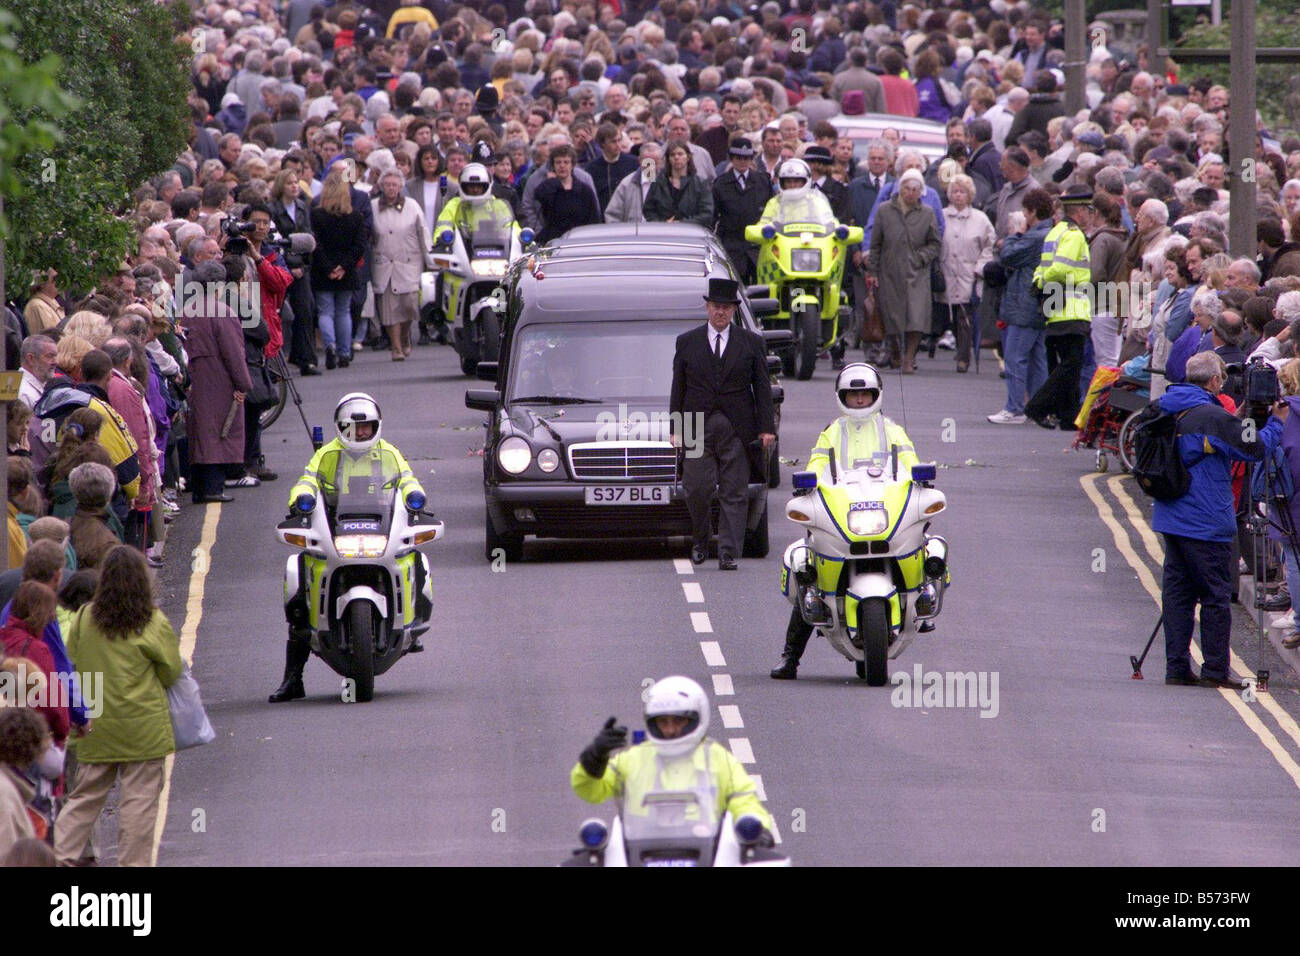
{"type": "Point", "coordinates": [190, 725]}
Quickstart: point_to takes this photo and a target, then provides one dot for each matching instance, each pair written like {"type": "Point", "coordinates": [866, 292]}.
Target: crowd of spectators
{"type": "Point", "coordinates": [354, 124]}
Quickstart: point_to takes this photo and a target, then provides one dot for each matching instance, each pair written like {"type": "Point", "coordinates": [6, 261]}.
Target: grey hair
{"type": "Point", "coordinates": [884, 144]}
{"type": "Point", "coordinates": [33, 344]}
{"type": "Point", "coordinates": [1288, 307]}
{"type": "Point", "coordinates": [92, 484]}
{"type": "Point", "coordinates": [1204, 366]}
{"type": "Point", "coordinates": [392, 172]}
{"type": "Point", "coordinates": [1289, 184]}
{"type": "Point", "coordinates": [1207, 302]}
{"type": "Point", "coordinates": [1249, 264]}
{"type": "Point", "coordinates": [118, 350]}
{"type": "Point", "coordinates": [1155, 209]}
{"type": "Point", "coordinates": [903, 156]}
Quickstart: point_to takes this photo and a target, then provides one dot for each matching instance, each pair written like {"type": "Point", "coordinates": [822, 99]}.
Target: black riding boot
{"type": "Point", "coordinates": [295, 659]}
{"type": "Point", "coordinates": [796, 639]}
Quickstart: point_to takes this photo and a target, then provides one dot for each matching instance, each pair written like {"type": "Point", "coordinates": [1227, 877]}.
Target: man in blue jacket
{"type": "Point", "coordinates": [1199, 527]}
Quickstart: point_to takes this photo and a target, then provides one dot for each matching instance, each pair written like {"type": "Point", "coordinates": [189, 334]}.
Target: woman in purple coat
{"type": "Point", "coordinates": [929, 94]}
{"type": "Point", "coordinates": [219, 380]}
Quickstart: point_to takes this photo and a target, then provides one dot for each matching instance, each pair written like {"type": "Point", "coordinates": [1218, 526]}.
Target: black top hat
{"type": "Point", "coordinates": [817, 154]}
{"type": "Point", "coordinates": [1077, 196]}
{"type": "Point", "coordinates": [724, 291]}
{"type": "Point", "coordinates": [742, 147]}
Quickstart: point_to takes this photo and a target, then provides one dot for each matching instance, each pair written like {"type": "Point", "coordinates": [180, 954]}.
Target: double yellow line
{"type": "Point", "coordinates": [1151, 544]}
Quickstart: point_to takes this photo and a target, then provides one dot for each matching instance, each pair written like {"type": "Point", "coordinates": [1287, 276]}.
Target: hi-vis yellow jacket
{"type": "Point", "coordinates": [860, 439]}
{"type": "Point", "coordinates": [333, 468]}
{"type": "Point", "coordinates": [1065, 274]}
{"type": "Point", "coordinates": [638, 770]}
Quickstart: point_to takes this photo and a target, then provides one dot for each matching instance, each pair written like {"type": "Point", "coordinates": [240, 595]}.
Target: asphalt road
{"type": "Point", "coordinates": [463, 757]}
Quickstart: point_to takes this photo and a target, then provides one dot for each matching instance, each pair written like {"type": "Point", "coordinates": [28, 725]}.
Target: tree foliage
{"type": "Point", "coordinates": [122, 61]}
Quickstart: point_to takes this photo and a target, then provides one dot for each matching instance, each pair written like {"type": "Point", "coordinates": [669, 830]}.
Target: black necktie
{"type": "Point", "coordinates": [717, 346]}
{"type": "Point", "coordinates": [875, 181]}
{"type": "Point", "coordinates": [740, 178]}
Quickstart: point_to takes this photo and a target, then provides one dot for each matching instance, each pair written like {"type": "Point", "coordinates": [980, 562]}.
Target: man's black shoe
{"type": "Point", "coordinates": [308, 370]}
{"type": "Point", "coordinates": [1227, 683]}
{"type": "Point", "coordinates": [416, 647]}
{"type": "Point", "coordinates": [345, 361]}
{"type": "Point", "coordinates": [291, 689]}
{"type": "Point", "coordinates": [726, 562]}
{"type": "Point", "coordinates": [331, 359]}
{"type": "Point", "coordinates": [698, 554]}
{"type": "Point", "coordinates": [1188, 680]}
{"type": "Point", "coordinates": [1046, 421]}
{"type": "Point", "coordinates": [212, 498]}
{"type": "Point", "coordinates": [788, 669]}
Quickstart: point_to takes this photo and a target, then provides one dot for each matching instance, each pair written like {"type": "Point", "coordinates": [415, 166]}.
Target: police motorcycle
{"type": "Point", "coordinates": [359, 586]}
{"type": "Point", "coordinates": [668, 807]}
{"type": "Point", "coordinates": [867, 575]}
{"type": "Point", "coordinates": [801, 263]}
{"type": "Point", "coordinates": [473, 256]}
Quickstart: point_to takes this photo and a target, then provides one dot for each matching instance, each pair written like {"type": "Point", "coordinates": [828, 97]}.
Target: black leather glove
{"type": "Point", "coordinates": [595, 758]}
{"type": "Point", "coordinates": [766, 840]}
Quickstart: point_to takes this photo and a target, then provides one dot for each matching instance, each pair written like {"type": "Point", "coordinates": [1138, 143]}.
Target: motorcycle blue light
{"type": "Point", "coordinates": [415, 501]}
{"type": "Point", "coordinates": [748, 829]}
{"type": "Point", "coordinates": [306, 503]}
{"type": "Point", "coordinates": [769, 232]}
{"type": "Point", "coordinates": [446, 236]}
{"type": "Point", "coordinates": [841, 233]}
{"type": "Point", "coordinates": [594, 834]}
{"type": "Point", "coordinates": [924, 472]}
{"type": "Point", "coordinates": [526, 236]}
{"type": "Point", "coordinates": [804, 479]}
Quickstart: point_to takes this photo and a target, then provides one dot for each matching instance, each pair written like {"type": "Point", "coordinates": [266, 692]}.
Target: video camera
{"type": "Point", "coordinates": [237, 232]}
{"type": "Point", "coordinates": [1259, 382]}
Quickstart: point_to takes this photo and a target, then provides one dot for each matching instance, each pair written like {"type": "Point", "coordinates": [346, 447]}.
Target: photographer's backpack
{"type": "Point", "coordinates": [1157, 465]}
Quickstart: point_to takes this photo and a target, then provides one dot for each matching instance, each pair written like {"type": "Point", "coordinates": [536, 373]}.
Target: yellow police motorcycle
{"type": "Point", "coordinates": [472, 258]}
{"type": "Point", "coordinates": [801, 266]}
{"type": "Point", "coordinates": [868, 575]}
{"type": "Point", "coordinates": [359, 584]}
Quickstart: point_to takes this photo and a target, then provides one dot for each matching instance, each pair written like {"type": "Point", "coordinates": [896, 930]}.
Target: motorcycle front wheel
{"type": "Point", "coordinates": [873, 626]}
{"type": "Point", "coordinates": [809, 322]}
{"type": "Point", "coordinates": [361, 638]}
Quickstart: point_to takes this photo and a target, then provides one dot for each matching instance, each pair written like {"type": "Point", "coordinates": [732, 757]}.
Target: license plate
{"type": "Point", "coordinates": [664, 861]}
{"type": "Point", "coordinates": [628, 494]}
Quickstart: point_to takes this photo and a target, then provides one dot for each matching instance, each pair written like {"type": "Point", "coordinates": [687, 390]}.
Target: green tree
{"type": "Point", "coordinates": [123, 61]}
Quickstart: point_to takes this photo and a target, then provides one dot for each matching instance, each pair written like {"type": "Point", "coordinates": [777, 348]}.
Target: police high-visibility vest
{"type": "Point", "coordinates": [812, 208]}
{"type": "Point", "coordinates": [861, 440]}
{"type": "Point", "coordinates": [1065, 274]}
{"type": "Point", "coordinates": [333, 468]}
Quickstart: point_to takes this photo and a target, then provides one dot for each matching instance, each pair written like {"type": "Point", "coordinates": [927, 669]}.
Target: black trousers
{"type": "Point", "coordinates": [744, 259]}
{"type": "Point", "coordinates": [302, 337]}
{"type": "Point", "coordinates": [721, 463]}
{"type": "Point", "coordinates": [206, 481]}
{"type": "Point", "coordinates": [1059, 395]}
{"type": "Point", "coordinates": [252, 436]}
{"type": "Point", "coordinates": [1197, 572]}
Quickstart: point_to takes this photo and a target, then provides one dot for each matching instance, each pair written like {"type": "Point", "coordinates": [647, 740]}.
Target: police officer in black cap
{"type": "Point", "coordinates": [739, 195]}
{"type": "Point", "coordinates": [721, 405]}
{"type": "Point", "coordinates": [481, 152]}
{"type": "Point", "coordinates": [820, 161]}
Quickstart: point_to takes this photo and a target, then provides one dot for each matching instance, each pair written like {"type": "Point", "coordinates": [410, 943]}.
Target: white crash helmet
{"type": "Point", "coordinates": [794, 169]}
{"type": "Point", "coordinates": [357, 408]}
{"type": "Point", "coordinates": [677, 697]}
{"type": "Point", "coordinates": [475, 177]}
{"type": "Point", "coordinates": [857, 377]}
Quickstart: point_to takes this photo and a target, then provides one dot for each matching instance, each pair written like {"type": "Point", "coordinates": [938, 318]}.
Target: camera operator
{"type": "Point", "coordinates": [262, 339]}
{"type": "Point", "coordinates": [1284, 517]}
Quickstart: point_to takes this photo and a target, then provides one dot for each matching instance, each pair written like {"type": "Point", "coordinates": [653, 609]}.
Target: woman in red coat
{"type": "Point", "coordinates": [34, 607]}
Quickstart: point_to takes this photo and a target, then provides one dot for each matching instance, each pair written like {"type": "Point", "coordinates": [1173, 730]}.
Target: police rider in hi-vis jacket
{"type": "Point", "coordinates": [862, 432]}
{"type": "Point", "coordinates": [357, 452]}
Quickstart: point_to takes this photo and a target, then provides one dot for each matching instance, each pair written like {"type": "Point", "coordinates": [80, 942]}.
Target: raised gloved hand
{"type": "Point", "coordinates": [596, 756]}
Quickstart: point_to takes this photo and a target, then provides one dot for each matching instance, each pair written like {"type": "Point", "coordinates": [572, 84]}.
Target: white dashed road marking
{"type": "Point", "coordinates": [741, 750]}
{"type": "Point", "coordinates": [683, 565]}
{"type": "Point", "coordinates": [730, 715]}
{"type": "Point", "coordinates": [700, 621]}
{"type": "Point", "coordinates": [694, 593]}
{"type": "Point", "coordinates": [713, 654]}
{"type": "Point", "coordinates": [722, 685]}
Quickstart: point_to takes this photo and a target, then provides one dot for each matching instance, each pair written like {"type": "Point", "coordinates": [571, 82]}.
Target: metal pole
{"type": "Point", "coordinates": [1241, 132]}
{"type": "Point", "coordinates": [1216, 12]}
{"type": "Point", "coordinates": [1076, 55]}
{"type": "Point", "coordinates": [1155, 37]}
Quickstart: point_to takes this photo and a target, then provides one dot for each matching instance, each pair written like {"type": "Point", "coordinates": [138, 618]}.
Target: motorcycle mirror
{"type": "Point", "coordinates": [804, 480]}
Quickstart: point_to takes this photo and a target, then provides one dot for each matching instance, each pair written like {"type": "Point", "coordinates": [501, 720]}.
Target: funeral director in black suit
{"type": "Point", "coordinates": [720, 379]}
